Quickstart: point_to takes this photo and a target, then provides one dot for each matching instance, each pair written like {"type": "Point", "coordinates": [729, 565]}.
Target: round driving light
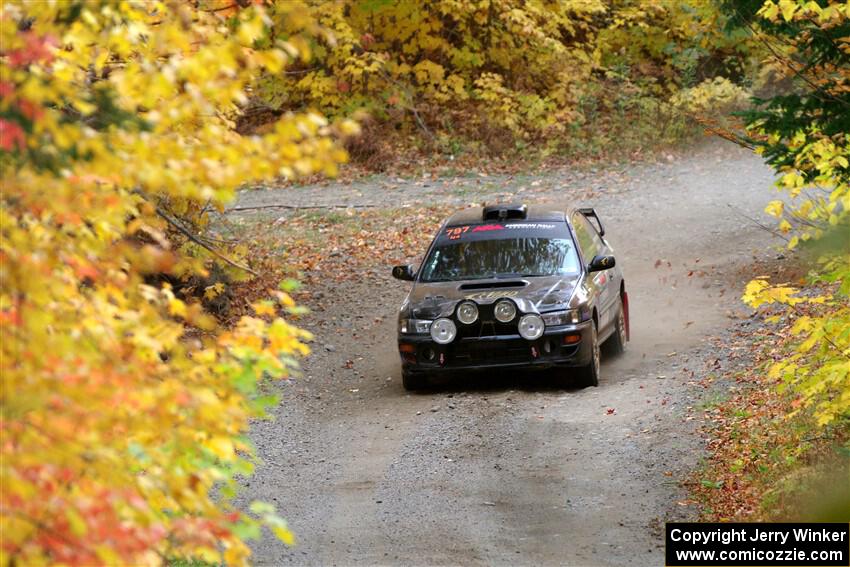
{"type": "Point", "coordinates": [505, 311]}
{"type": "Point", "coordinates": [443, 331]}
{"type": "Point", "coordinates": [531, 326]}
{"type": "Point", "coordinates": [467, 312]}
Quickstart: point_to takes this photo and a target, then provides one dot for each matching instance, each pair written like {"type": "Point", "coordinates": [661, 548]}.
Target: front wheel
{"type": "Point", "coordinates": [413, 382]}
{"type": "Point", "coordinates": [589, 375]}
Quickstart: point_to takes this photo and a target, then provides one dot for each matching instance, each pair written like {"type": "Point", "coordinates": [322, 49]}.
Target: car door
{"type": "Point", "coordinates": [592, 244]}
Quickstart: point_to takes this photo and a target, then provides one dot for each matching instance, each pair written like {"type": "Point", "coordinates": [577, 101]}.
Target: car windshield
{"type": "Point", "coordinates": [500, 257]}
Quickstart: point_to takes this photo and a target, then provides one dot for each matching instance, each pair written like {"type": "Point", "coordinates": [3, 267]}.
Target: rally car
{"type": "Point", "coordinates": [513, 286]}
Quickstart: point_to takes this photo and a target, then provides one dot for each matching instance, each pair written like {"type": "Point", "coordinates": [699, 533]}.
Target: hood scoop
{"type": "Point", "coordinates": [493, 285]}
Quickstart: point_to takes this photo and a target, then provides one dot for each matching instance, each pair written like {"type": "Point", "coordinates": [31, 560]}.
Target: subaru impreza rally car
{"type": "Point", "coordinates": [512, 286]}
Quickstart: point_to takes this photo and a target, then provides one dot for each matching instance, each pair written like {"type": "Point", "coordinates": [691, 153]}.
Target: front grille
{"type": "Point", "coordinates": [491, 351]}
{"type": "Point", "coordinates": [474, 352]}
{"type": "Point", "coordinates": [486, 325]}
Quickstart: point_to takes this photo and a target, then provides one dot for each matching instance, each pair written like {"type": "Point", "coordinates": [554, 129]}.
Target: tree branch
{"type": "Point", "coordinates": [816, 90]}
{"type": "Point", "coordinates": [182, 230]}
{"type": "Point", "coordinates": [760, 225]}
{"type": "Point", "coordinates": [298, 207]}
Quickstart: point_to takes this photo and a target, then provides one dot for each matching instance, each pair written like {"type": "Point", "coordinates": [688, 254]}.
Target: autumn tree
{"type": "Point", "coordinates": [804, 133]}
{"type": "Point", "coordinates": [524, 70]}
{"type": "Point", "coordinates": [124, 407]}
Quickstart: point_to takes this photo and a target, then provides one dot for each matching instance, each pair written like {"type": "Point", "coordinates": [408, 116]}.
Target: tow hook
{"type": "Point", "coordinates": [534, 353]}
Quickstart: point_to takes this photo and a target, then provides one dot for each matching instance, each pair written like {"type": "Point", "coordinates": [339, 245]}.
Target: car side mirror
{"type": "Point", "coordinates": [600, 263]}
{"type": "Point", "coordinates": [405, 273]}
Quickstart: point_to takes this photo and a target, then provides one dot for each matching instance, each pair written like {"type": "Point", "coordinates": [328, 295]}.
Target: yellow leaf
{"type": "Point", "coordinates": [176, 307]}
{"type": "Point", "coordinates": [76, 522]}
{"type": "Point", "coordinates": [284, 535]}
{"type": "Point", "coordinates": [788, 7]}
{"type": "Point", "coordinates": [285, 299]}
{"type": "Point", "coordinates": [264, 308]}
{"type": "Point", "coordinates": [775, 208]}
{"type": "Point", "coordinates": [222, 447]}
{"type": "Point", "coordinates": [802, 325]}
{"type": "Point", "coordinates": [213, 291]}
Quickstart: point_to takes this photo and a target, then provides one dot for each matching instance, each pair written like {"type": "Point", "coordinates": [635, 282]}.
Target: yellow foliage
{"type": "Point", "coordinates": [522, 64]}
{"type": "Point", "coordinates": [118, 420]}
{"type": "Point", "coordinates": [814, 170]}
{"type": "Point", "coordinates": [717, 95]}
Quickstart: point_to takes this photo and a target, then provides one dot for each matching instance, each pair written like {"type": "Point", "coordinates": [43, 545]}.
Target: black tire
{"type": "Point", "coordinates": [589, 375]}
{"type": "Point", "coordinates": [413, 382]}
{"type": "Point", "coordinates": [616, 343]}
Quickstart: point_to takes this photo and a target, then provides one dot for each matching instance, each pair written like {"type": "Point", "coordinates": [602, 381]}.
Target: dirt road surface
{"type": "Point", "coordinates": [509, 469]}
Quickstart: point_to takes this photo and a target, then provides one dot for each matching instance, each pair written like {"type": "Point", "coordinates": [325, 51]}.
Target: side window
{"type": "Point", "coordinates": [588, 239]}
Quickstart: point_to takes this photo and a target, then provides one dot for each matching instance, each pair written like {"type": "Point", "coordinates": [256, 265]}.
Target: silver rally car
{"type": "Point", "coordinates": [511, 286]}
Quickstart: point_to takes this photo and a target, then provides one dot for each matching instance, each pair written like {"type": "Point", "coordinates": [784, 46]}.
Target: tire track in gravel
{"type": "Point", "coordinates": [506, 468]}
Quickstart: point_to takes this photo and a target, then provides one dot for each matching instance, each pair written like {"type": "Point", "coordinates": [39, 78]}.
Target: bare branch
{"type": "Point", "coordinates": [759, 224]}
{"type": "Point", "coordinates": [188, 234]}
{"type": "Point", "coordinates": [298, 207]}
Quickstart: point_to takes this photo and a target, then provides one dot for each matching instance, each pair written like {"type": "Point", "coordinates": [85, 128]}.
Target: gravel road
{"type": "Point", "coordinates": [507, 469]}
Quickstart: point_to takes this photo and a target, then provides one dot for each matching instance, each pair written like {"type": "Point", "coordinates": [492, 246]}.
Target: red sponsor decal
{"type": "Point", "coordinates": [486, 227]}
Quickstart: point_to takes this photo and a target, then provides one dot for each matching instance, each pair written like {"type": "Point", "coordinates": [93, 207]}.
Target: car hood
{"type": "Point", "coordinates": [537, 294]}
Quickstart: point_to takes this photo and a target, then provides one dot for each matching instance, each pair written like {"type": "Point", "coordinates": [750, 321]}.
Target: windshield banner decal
{"type": "Point", "coordinates": [458, 232]}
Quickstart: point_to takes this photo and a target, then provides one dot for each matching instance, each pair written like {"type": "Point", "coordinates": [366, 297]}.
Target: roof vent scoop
{"type": "Point", "coordinates": [505, 211]}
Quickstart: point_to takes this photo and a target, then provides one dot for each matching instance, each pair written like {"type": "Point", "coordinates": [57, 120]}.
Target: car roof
{"type": "Point", "coordinates": [475, 215]}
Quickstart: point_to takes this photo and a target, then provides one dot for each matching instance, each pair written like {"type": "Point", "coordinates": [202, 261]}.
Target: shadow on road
{"type": "Point", "coordinates": [526, 380]}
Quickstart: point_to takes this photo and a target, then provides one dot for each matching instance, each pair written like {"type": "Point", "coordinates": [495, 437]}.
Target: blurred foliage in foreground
{"type": "Point", "coordinates": [805, 136]}
{"type": "Point", "coordinates": [125, 408]}
{"type": "Point", "coordinates": [803, 452]}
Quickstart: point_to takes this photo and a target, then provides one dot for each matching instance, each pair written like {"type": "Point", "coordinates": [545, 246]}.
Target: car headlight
{"type": "Point", "coordinates": [467, 312]}
{"type": "Point", "coordinates": [505, 311]}
{"type": "Point", "coordinates": [569, 317]}
{"type": "Point", "coordinates": [414, 326]}
{"type": "Point", "coordinates": [531, 326]}
{"type": "Point", "coordinates": [443, 331]}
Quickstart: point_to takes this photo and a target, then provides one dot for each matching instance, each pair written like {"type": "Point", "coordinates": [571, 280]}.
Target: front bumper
{"type": "Point", "coordinates": [567, 345]}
